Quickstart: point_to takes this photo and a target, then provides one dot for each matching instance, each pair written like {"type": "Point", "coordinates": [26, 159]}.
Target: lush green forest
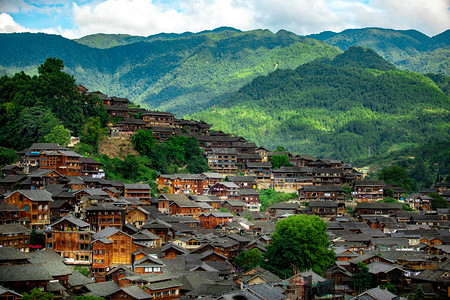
{"type": "Point", "coordinates": [43, 108]}
{"type": "Point", "coordinates": [178, 73]}
{"type": "Point", "coordinates": [356, 107]}
{"type": "Point", "coordinates": [189, 72]}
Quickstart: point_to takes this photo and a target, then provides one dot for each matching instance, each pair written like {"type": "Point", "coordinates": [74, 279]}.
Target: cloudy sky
{"type": "Point", "coordinates": [78, 18]}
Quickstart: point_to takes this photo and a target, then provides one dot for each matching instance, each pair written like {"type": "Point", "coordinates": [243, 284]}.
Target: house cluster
{"type": "Point", "coordinates": [181, 242]}
{"type": "Point", "coordinates": [162, 124]}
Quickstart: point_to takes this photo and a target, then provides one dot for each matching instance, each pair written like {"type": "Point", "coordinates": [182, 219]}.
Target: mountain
{"type": "Point", "coordinates": [179, 73]}
{"type": "Point", "coordinates": [105, 41]}
{"type": "Point", "coordinates": [354, 106]}
{"type": "Point", "coordinates": [407, 49]}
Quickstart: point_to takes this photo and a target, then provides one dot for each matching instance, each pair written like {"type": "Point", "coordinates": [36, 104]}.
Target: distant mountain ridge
{"type": "Point", "coordinates": [181, 74]}
{"type": "Point", "coordinates": [190, 72]}
{"type": "Point", "coordinates": [407, 49]}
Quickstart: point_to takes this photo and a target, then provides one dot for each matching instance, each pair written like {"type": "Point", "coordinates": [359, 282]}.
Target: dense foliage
{"type": "Point", "coordinates": [362, 280]}
{"type": "Point", "coordinates": [177, 73]}
{"type": "Point", "coordinates": [270, 196]}
{"type": "Point", "coordinates": [408, 49]}
{"type": "Point", "coordinates": [396, 175]}
{"type": "Point", "coordinates": [248, 260]}
{"type": "Point", "coordinates": [42, 108]}
{"type": "Point", "coordinates": [178, 152]}
{"type": "Point", "coordinates": [299, 243]}
{"type": "Point", "coordinates": [37, 294]}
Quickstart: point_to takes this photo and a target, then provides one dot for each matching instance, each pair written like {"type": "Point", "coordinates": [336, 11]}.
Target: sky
{"type": "Point", "coordinates": [78, 18]}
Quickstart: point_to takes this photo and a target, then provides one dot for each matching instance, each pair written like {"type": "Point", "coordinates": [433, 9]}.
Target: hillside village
{"type": "Point", "coordinates": [180, 241]}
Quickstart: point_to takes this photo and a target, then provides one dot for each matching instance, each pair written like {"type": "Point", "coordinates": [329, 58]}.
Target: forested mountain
{"type": "Point", "coordinates": [353, 107]}
{"type": "Point", "coordinates": [408, 49]}
{"type": "Point", "coordinates": [189, 72]}
{"type": "Point", "coordinates": [177, 73]}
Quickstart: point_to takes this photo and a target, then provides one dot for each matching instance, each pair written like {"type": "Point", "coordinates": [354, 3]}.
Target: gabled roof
{"type": "Point", "coordinates": [103, 289]}
{"type": "Point", "coordinates": [136, 292]}
{"type": "Point", "coordinates": [69, 218]}
{"type": "Point", "coordinates": [24, 273]}
{"type": "Point", "coordinates": [375, 294]}
{"type": "Point", "coordinates": [14, 228]}
{"type": "Point", "coordinates": [34, 195]}
{"type": "Point", "coordinates": [173, 197]}
{"type": "Point", "coordinates": [148, 261]}
{"type": "Point", "coordinates": [173, 246]}
{"type": "Point", "coordinates": [235, 203]}
{"type": "Point", "coordinates": [107, 232]}
{"type": "Point", "coordinates": [265, 291]}
{"type": "Point", "coordinates": [136, 186]}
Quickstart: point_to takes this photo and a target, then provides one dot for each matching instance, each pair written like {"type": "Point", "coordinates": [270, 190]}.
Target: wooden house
{"type": "Point", "coordinates": [15, 235]}
{"type": "Point", "coordinates": [368, 190]}
{"type": "Point", "coordinates": [368, 208]}
{"type": "Point", "coordinates": [324, 176]}
{"type": "Point", "coordinates": [91, 167]}
{"type": "Point", "coordinates": [70, 237]}
{"type": "Point", "coordinates": [251, 199]}
{"type": "Point", "coordinates": [185, 208]}
{"type": "Point", "coordinates": [281, 208]}
{"type": "Point", "coordinates": [183, 183]}
{"type": "Point", "coordinates": [138, 190]}
{"type": "Point", "coordinates": [225, 190]}
{"type": "Point", "coordinates": [327, 209]}
{"type": "Point", "coordinates": [213, 219]}
{"type": "Point", "coordinates": [35, 205]}
{"type": "Point", "coordinates": [222, 160]}
{"type": "Point", "coordinates": [234, 206]}
{"type": "Point", "coordinates": [9, 213]}
{"type": "Point", "coordinates": [62, 161]}
{"type": "Point", "coordinates": [261, 171]}
{"type": "Point", "coordinates": [159, 118]}
{"type": "Point", "coordinates": [111, 247]}
{"type": "Point", "coordinates": [321, 193]}
{"type": "Point", "coordinates": [148, 265]}
{"type": "Point", "coordinates": [164, 201]}
{"type": "Point", "coordinates": [41, 178]}
{"type": "Point", "coordinates": [243, 182]}
{"type": "Point", "coordinates": [103, 215]}
{"type": "Point", "coordinates": [171, 251]}
{"type": "Point", "coordinates": [136, 216]}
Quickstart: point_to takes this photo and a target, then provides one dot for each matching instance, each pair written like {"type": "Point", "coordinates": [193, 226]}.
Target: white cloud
{"type": "Point", "coordinates": [146, 17]}
{"type": "Point", "coordinates": [8, 25]}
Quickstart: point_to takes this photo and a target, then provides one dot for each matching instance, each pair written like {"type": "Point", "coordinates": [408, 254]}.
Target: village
{"type": "Point", "coordinates": [180, 241]}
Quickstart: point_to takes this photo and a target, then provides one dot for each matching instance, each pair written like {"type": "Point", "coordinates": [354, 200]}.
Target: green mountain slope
{"type": "Point", "coordinates": [338, 109]}
{"type": "Point", "coordinates": [179, 73]}
{"type": "Point", "coordinates": [407, 49]}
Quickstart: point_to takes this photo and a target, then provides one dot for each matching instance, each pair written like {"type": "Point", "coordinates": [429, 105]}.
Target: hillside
{"type": "Point", "coordinates": [355, 106]}
{"type": "Point", "coordinates": [178, 73]}
{"type": "Point", "coordinates": [408, 49]}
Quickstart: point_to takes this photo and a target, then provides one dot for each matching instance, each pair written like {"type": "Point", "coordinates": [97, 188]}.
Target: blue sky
{"type": "Point", "coordinates": [78, 18]}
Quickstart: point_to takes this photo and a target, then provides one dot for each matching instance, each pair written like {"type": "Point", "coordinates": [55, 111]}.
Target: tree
{"type": "Point", "coordinates": [58, 135]}
{"type": "Point", "coordinates": [7, 156]}
{"type": "Point", "coordinates": [248, 260]}
{"type": "Point", "coordinates": [362, 279]}
{"type": "Point", "coordinates": [37, 238]}
{"type": "Point", "coordinates": [419, 294]}
{"type": "Point", "coordinates": [36, 294]}
{"type": "Point", "coordinates": [280, 161]}
{"type": "Point", "coordinates": [299, 242]}
{"type": "Point", "coordinates": [438, 201]}
{"type": "Point", "coordinates": [388, 286]}
{"type": "Point", "coordinates": [396, 175]}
